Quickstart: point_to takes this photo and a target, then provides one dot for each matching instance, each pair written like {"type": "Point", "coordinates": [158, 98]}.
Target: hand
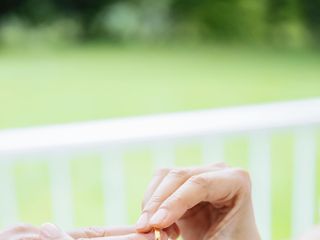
{"type": "Point", "coordinates": [51, 232]}
{"type": "Point", "coordinates": [205, 203]}
{"type": "Point", "coordinates": [20, 232]}
{"type": "Point", "coordinates": [113, 233]}
{"type": "Point", "coordinates": [314, 234]}
{"type": "Point", "coordinates": [28, 232]}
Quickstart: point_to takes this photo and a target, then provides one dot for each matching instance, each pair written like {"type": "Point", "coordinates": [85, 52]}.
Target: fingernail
{"type": "Point", "coordinates": [142, 221]}
{"type": "Point", "coordinates": [159, 217]}
{"type": "Point", "coordinates": [50, 230]}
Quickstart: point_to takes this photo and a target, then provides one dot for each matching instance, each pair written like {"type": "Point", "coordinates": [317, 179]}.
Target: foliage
{"type": "Point", "coordinates": [311, 16]}
{"type": "Point", "coordinates": [224, 20]}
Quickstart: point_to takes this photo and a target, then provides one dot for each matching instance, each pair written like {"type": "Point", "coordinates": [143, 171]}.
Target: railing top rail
{"type": "Point", "coordinates": [175, 125]}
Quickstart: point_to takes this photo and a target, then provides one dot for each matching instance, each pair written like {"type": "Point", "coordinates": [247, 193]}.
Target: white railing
{"type": "Point", "coordinates": [161, 133]}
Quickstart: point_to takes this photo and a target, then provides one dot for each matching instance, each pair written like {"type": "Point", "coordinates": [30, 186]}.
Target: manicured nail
{"type": "Point", "coordinates": [159, 217]}
{"type": "Point", "coordinates": [142, 221]}
{"type": "Point", "coordinates": [50, 230]}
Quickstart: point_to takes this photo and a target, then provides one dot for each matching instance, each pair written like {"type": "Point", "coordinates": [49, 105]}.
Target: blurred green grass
{"type": "Point", "coordinates": [66, 85]}
{"type": "Point", "coordinates": [98, 82]}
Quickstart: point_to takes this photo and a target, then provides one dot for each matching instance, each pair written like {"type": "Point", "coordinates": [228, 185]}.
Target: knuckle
{"type": "Point", "coordinates": [219, 165]}
{"type": "Point", "coordinates": [156, 199]}
{"type": "Point", "coordinates": [161, 172]}
{"type": "Point", "coordinates": [244, 178]}
{"type": "Point", "coordinates": [243, 174]}
{"type": "Point", "coordinates": [153, 203]}
{"type": "Point", "coordinates": [199, 180]}
{"type": "Point", "coordinates": [95, 232]}
{"type": "Point", "coordinates": [174, 201]}
{"type": "Point", "coordinates": [179, 173]}
{"type": "Point", "coordinates": [177, 199]}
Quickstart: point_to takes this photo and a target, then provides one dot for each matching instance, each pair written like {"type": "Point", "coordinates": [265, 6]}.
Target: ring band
{"type": "Point", "coordinates": [157, 235]}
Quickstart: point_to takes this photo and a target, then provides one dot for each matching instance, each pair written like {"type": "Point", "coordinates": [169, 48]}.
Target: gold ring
{"type": "Point", "coordinates": [157, 235]}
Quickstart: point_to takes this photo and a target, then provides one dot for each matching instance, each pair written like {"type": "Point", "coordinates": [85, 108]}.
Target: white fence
{"type": "Point", "coordinates": [161, 133]}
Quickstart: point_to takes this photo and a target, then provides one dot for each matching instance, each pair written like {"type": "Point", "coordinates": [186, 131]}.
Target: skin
{"type": "Point", "coordinates": [29, 232]}
{"type": "Point", "coordinates": [49, 231]}
{"type": "Point", "coordinates": [20, 232]}
{"type": "Point", "coordinates": [205, 203]}
{"type": "Point", "coordinates": [202, 203]}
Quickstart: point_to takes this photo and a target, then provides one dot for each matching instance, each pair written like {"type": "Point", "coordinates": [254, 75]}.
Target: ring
{"type": "Point", "coordinates": [157, 235]}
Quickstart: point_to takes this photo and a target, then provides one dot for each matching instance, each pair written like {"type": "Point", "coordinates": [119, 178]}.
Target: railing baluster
{"type": "Point", "coordinates": [304, 181]}
{"type": "Point", "coordinates": [164, 156]}
{"type": "Point", "coordinates": [8, 199]}
{"type": "Point", "coordinates": [260, 169]}
{"type": "Point", "coordinates": [61, 188]}
{"type": "Point", "coordinates": [114, 189]}
{"type": "Point", "coordinates": [318, 210]}
{"type": "Point", "coordinates": [213, 150]}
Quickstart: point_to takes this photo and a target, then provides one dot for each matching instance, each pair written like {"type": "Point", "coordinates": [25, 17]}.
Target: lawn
{"type": "Point", "coordinates": [98, 82]}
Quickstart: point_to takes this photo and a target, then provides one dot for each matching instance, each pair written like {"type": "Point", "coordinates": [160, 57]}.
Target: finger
{"type": "Point", "coordinates": [162, 173]}
{"type": "Point", "coordinates": [171, 182]}
{"type": "Point", "coordinates": [133, 236]}
{"type": "Point", "coordinates": [156, 180]}
{"type": "Point", "coordinates": [26, 236]}
{"type": "Point", "coordinates": [21, 229]}
{"type": "Point", "coordinates": [25, 231]}
{"type": "Point", "coordinates": [215, 187]}
{"type": "Point", "coordinates": [172, 231]}
{"type": "Point", "coordinates": [49, 231]}
{"type": "Point", "coordinates": [173, 179]}
{"type": "Point", "coordinates": [95, 232]}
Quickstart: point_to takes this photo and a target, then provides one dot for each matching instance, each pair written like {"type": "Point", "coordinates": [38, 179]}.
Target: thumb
{"type": "Point", "coordinates": [50, 231]}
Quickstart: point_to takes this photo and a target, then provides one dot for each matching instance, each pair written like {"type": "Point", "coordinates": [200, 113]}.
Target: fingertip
{"type": "Point", "coordinates": [49, 231]}
{"type": "Point", "coordinates": [159, 219]}
{"type": "Point", "coordinates": [142, 224]}
{"type": "Point", "coordinates": [144, 230]}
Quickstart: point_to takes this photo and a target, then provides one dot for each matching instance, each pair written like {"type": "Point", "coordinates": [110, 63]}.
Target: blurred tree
{"type": "Point", "coordinates": [8, 7]}
{"type": "Point", "coordinates": [311, 15]}
{"type": "Point", "coordinates": [85, 11]}
{"type": "Point", "coordinates": [35, 11]}
{"type": "Point", "coordinates": [278, 11]}
{"type": "Point", "coordinates": [208, 19]}
{"type": "Point", "coordinates": [220, 19]}
{"type": "Point", "coordinates": [278, 14]}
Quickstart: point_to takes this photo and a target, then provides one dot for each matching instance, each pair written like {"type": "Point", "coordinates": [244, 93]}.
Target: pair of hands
{"type": "Point", "coordinates": [202, 203]}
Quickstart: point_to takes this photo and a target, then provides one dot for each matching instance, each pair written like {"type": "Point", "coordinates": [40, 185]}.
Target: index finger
{"type": "Point", "coordinates": [96, 232]}
{"type": "Point", "coordinates": [159, 175]}
{"type": "Point", "coordinates": [49, 231]}
{"type": "Point", "coordinates": [133, 236]}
